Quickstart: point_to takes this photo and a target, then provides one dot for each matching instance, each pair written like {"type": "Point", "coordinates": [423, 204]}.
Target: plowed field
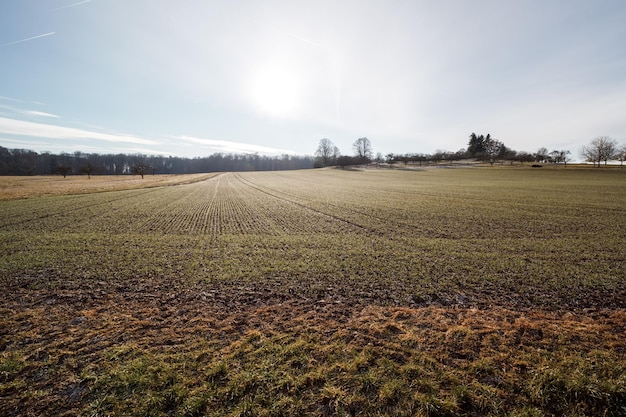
{"type": "Point", "coordinates": [330, 292]}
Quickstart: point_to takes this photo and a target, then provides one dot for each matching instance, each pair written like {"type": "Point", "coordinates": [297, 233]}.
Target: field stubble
{"type": "Point", "coordinates": [436, 292]}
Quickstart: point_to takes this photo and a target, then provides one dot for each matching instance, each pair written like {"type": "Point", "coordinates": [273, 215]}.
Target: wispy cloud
{"type": "Point", "coordinates": [28, 39]}
{"type": "Point", "coordinates": [305, 40]}
{"type": "Point", "coordinates": [62, 146]}
{"type": "Point", "coordinates": [24, 128]}
{"type": "Point", "coordinates": [40, 113]}
{"type": "Point", "coordinates": [226, 146]}
{"type": "Point", "coordinates": [78, 3]}
{"type": "Point", "coordinates": [10, 99]}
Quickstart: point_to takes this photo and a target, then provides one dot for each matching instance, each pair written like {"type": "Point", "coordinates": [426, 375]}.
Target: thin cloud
{"type": "Point", "coordinates": [226, 146]}
{"type": "Point", "coordinates": [73, 4]}
{"type": "Point", "coordinates": [35, 145]}
{"type": "Point", "coordinates": [23, 128]}
{"type": "Point", "coordinates": [60, 147]}
{"type": "Point", "coordinates": [310, 42]}
{"type": "Point", "coordinates": [40, 113]}
{"type": "Point", "coordinates": [10, 99]}
{"type": "Point", "coordinates": [28, 39]}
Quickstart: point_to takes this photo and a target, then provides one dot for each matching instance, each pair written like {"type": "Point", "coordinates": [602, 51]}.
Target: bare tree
{"type": "Point", "coordinates": [492, 148]}
{"type": "Point", "coordinates": [88, 169]}
{"type": "Point", "coordinates": [621, 154]}
{"type": "Point", "coordinates": [590, 154]}
{"type": "Point", "coordinates": [141, 168]}
{"type": "Point", "coordinates": [560, 156]}
{"type": "Point", "coordinates": [64, 170]}
{"type": "Point", "coordinates": [600, 149]}
{"type": "Point", "coordinates": [326, 153]}
{"type": "Point", "coordinates": [541, 155]}
{"type": "Point", "coordinates": [564, 156]}
{"type": "Point", "coordinates": [363, 149]}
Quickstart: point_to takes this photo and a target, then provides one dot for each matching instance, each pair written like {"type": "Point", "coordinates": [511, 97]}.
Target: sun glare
{"type": "Point", "coordinates": [275, 91]}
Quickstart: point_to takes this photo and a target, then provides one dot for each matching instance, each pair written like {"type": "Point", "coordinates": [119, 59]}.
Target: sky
{"type": "Point", "coordinates": [195, 77]}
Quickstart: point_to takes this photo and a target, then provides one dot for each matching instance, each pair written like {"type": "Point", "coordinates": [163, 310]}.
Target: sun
{"type": "Point", "coordinates": [276, 90]}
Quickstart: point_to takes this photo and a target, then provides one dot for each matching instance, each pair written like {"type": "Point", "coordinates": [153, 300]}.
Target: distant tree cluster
{"type": "Point", "coordinates": [485, 147]}
{"type": "Point", "coordinates": [26, 162]}
{"type": "Point", "coordinates": [480, 147]}
{"type": "Point", "coordinates": [425, 159]}
{"type": "Point", "coordinates": [600, 149]}
{"type": "Point", "coordinates": [491, 150]}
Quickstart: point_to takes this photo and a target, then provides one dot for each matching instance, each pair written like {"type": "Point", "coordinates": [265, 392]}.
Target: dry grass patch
{"type": "Point", "coordinates": [15, 187]}
{"type": "Point", "coordinates": [162, 353]}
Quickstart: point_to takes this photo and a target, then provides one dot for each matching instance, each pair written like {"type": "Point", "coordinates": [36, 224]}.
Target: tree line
{"type": "Point", "coordinates": [483, 148]}
{"type": "Point", "coordinates": [27, 162]}
{"type": "Point", "coordinates": [479, 147]}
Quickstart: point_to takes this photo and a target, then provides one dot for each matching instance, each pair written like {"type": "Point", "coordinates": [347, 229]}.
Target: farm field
{"type": "Point", "coordinates": [435, 292]}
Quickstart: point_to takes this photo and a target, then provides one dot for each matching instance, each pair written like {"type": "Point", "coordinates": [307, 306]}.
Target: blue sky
{"type": "Point", "coordinates": [195, 77]}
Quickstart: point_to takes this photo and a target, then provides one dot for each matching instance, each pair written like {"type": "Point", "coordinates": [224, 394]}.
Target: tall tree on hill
{"type": "Point", "coordinates": [476, 144]}
{"type": "Point", "coordinates": [493, 149]}
{"type": "Point", "coordinates": [363, 149]}
{"type": "Point", "coordinates": [326, 153]}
